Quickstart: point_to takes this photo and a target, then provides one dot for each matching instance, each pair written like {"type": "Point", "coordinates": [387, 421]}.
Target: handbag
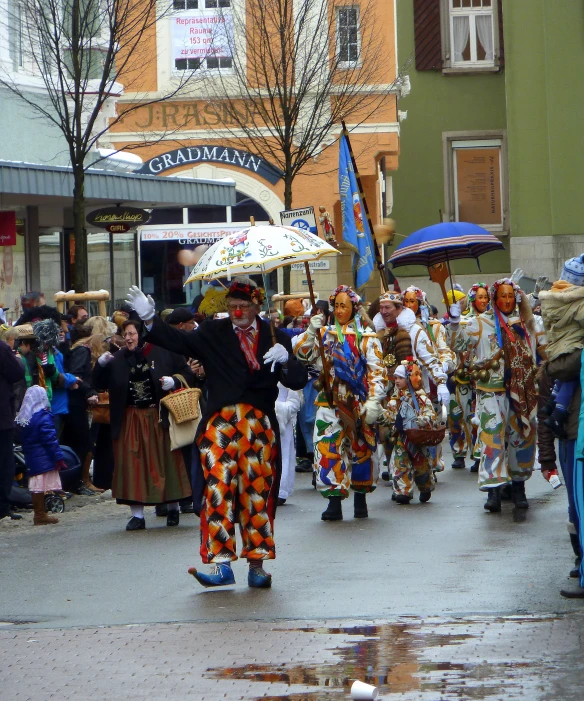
{"type": "Point", "coordinates": [426, 437]}
{"type": "Point", "coordinates": [183, 403]}
{"type": "Point", "coordinates": [100, 412]}
{"type": "Point", "coordinates": [182, 434]}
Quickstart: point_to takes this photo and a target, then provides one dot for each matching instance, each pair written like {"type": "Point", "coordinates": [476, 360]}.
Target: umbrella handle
{"type": "Point", "coordinates": [327, 390]}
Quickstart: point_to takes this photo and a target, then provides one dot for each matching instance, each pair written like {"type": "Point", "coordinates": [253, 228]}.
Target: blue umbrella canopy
{"type": "Point", "coordinates": [444, 242]}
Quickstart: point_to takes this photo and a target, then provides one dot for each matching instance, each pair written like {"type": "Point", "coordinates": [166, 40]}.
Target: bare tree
{"type": "Point", "coordinates": [86, 53]}
{"type": "Point", "coordinates": [298, 68]}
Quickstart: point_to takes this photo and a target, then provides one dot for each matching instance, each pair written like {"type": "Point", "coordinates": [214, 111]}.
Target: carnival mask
{"type": "Point", "coordinates": [481, 300]}
{"type": "Point", "coordinates": [343, 308]}
{"type": "Point", "coordinates": [415, 377]}
{"type": "Point", "coordinates": [411, 302]}
{"type": "Point", "coordinates": [505, 299]}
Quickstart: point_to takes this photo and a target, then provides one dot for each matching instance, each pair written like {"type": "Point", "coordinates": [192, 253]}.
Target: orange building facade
{"type": "Point", "coordinates": [194, 135]}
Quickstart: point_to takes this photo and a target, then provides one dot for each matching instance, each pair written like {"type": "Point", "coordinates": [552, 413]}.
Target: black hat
{"type": "Point", "coordinates": [180, 315]}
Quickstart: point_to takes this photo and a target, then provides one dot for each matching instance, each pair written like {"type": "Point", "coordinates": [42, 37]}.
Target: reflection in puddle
{"type": "Point", "coordinates": [413, 660]}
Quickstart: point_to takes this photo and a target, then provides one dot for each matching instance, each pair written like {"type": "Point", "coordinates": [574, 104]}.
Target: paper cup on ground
{"type": "Point", "coordinates": [362, 692]}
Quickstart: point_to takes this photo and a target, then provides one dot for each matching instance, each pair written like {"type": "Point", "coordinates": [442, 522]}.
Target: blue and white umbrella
{"type": "Point", "coordinates": [443, 243]}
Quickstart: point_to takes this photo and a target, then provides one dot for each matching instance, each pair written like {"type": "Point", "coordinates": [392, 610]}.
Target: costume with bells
{"type": "Point", "coordinates": [409, 408]}
{"type": "Point", "coordinates": [504, 342]}
{"type": "Point", "coordinates": [463, 432]}
{"type": "Point", "coordinates": [238, 477]}
{"type": "Point", "coordinates": [344, 436]}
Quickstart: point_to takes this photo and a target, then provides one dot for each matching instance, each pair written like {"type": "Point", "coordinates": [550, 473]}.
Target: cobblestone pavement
{"type": "Point", "coordinates": [505, 658]}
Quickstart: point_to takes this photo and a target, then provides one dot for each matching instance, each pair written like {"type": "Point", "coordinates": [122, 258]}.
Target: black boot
{"type": "Point", "coordinates": [475, 466]}
{"type": "Point", "coordinates": [334, 510]}
{"type": "Point", "coordinates": [505, 492]}
{"type": "Point", "coordinates": [518, 495]}
{"type": "Point", "coordinates": [575, 571]}
{"type": "Point", "coordinates": [458, 464]}
{"type": "Point", "coordinates": [360, 504]}
{"type": "Point", "coordinates": [493, 502]}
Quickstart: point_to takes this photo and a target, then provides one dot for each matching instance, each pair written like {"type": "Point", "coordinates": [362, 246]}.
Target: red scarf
{"type": "Point", "coordinates": [248, 342]}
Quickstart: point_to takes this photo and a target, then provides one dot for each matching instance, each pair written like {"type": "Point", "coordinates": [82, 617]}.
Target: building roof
{"type": "Point", "coordinates": [31, 184]}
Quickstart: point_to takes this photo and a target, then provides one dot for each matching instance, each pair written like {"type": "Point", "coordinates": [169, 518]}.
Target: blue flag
{"type": "Point", "coordinates": [355, 226]}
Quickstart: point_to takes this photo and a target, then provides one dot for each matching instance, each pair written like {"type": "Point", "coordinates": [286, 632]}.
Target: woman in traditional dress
{"type": "Point", "coordinates": [146, 471]}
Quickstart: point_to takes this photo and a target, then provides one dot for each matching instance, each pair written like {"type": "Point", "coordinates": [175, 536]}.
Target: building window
{"type": "Point", "coordinates": [193, 64]}
{"type": "Point", "coordinates": [476, 179]}
{"type": "Point", "coordinates": [212, 4]}
{"type": "Point", "coordinates": [470, 37]}
{"type": "Point", "coordinates": [185, 5]}
{"type": "Point", "coordinates": [348, 35]}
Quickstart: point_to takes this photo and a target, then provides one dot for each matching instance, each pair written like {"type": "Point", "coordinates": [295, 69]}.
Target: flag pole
{"type": "Point", "coordinates": [383, 272]}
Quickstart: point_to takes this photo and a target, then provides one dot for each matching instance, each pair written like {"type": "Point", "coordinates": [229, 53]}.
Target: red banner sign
{"type": "Point", "coordinates": [7, 228]}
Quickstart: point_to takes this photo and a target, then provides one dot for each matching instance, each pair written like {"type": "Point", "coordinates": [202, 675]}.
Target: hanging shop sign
{"type": "Point", "coordinates": [211, 154]}
{"type": "Point", "coordinates": [8, 228]}
{"type": "Point", "coordinates": [118, 219]}
{"type": "Point", "coordinates": [188, 235]}
{"type": "Point", "coordinates": [300, 218]}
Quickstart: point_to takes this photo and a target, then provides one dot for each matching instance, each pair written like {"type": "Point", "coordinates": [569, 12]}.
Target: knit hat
{"type": "Point", "coordinates": [47, 332]}
{"type": "Point", "coordinates": [573, 271]}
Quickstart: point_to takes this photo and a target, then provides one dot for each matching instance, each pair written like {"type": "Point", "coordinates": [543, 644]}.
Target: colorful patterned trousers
{"type": "Point", "coordinates": [238, 449]}
{"type": "Point", "coordinates": [506, 453]}
{"type": "Point", "coordinates": [343, 460]}
{"type": "Point", "coordinates": [461, 412]}
{"type": "Point", "coordinates": [408, 469]}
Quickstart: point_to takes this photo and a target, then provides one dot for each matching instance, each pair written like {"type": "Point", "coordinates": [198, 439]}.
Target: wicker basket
{"type": "Point", "coordinates": [183, 403]}
{"type": "Point", "coordinates": [426, 437]}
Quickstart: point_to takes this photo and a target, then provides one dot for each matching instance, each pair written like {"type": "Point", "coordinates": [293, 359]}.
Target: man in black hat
{"type": "Point", "coordinates": [182, 318]}
{"type": "Point", "coordinates": [238, 434]}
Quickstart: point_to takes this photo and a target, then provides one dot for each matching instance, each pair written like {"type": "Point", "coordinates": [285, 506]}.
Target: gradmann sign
{"type": "Point", "coordinates": [212, 154]}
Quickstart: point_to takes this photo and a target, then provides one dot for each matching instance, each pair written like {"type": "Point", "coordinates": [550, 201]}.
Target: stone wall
{"type": "Point", "coordinates": [544, 255]}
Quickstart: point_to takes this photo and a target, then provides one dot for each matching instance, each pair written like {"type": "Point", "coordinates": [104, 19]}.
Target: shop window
{"type": "Point", "coordinates": [166, 216]}
{"type": "Point", "coordinates": [50, 264]}
{"type": "Point", "coordinates": [247, 207]}
{"type": "Point", "coordinates": [207, 215]}
{"type": "Point", "coordinates": [99, 262]}
{"type": "Point", "coordinates": [124, 266]}
{"type": "Point", "coordinates": [348, 41]}
{"type": "Point", "coordinates": [476, 179]}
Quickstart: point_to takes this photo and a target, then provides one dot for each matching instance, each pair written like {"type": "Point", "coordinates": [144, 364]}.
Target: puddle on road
{"type": "Point", "coordinates": [411, 661]}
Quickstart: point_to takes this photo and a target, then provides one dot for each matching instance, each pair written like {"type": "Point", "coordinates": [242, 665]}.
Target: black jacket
{"type": "Point", "coordinates": [11, 371]}
{"type": "Point", "coordinates": [116, 375]}
{"type": "Point", "coordinates": [229, 379]}
{"type": "Point", "coordinates": [78, 363]}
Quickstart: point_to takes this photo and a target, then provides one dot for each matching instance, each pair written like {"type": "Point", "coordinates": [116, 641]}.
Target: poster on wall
{"type": "Point", "coordinates": [478, 180]}
{"type": "Point", "coordinates": [201, 34]}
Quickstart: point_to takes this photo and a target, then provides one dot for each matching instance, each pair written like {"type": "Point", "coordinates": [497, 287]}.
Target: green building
{"type": "Point", "coordinates": [490, 131]}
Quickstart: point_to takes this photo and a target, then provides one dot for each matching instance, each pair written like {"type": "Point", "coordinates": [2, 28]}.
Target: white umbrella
{"type": "Point", "coordinates": [259, 249]}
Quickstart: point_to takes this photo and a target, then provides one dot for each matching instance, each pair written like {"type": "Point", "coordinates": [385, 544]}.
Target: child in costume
{"type": "Point", "coordinates": [409, 407]}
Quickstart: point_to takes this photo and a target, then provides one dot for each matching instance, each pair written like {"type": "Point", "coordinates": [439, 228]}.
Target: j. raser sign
{"type": "Point", "coordinates": [212, 154]}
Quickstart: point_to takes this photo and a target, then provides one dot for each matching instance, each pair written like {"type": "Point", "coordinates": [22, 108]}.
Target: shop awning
{"type": "Point", "coordinates": [31, 184]}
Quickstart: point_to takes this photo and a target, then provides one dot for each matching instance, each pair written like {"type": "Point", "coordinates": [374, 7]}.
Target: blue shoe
{"type": "Point", "coordinates": [220, 577]}
{"type": "Point", "coordinates": [258, 579]}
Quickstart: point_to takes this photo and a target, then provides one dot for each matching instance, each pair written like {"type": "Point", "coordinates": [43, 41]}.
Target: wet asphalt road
{"type": "Point", "coordinates": [442, 558]}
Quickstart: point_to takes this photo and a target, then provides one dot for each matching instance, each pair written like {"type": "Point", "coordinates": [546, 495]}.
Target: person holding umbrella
{"type": "Point", "coordinates": [239, 471]}
{"type": "Point", "coordinates": [355, 384]}
{"type": "Point", "coordinates": [504, 341]}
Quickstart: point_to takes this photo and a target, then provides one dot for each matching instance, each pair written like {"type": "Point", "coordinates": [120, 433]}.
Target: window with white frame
{"type": "Point", "coordinates": [476, 180]}
{"type": "Point", "coordinates": [348, 40]}
{"type": "Point", "coordinates": [470, 39]}
{"type": "Point", "coordinates": [179, 5]}
{"type": "Point", "coordinates": [201, 35]}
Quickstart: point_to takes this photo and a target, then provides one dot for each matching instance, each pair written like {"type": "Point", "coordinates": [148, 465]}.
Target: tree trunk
{"type": "Point", "coordinates": [80, 278]}
{"type": "Point", "coordinates": [287, 205]}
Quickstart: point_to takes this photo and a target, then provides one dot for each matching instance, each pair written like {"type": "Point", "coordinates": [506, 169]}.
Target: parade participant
{"type": "Point", "coordinates": [238, 433]}
{"type": "Point", "coordinates": [415, 299]}
{"type": "Point", "coordinates": [396, 346]}
{"type": "Point", "coordinates": [463, 433]}
{"type": "Point", "coordinates": [344, 436]}
{"type": "Point", "coordinates": [409, 407]}
{"type": "Point", "coordinates": [504, 342]}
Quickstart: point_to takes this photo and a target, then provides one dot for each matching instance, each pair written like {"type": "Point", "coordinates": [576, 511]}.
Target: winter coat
{"type": "Point", "coordinates": [11, 371]}
{"type": "Point", "coordinates": [566, 368]}
{"type": "Point", "coordinates": [78, 363]}
{"type": "Point", "coordinates": [39, 441]}
{"type": "Point", "coordinates": [563, 316]}
{"type": "Point", "coordinates": [60, 401]}
{"type": "Point", "coordinates": [115, 377]}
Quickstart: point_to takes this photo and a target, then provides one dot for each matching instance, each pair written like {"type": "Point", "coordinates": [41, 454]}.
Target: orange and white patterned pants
{"type": "Point", "coordinates": [238, 451]}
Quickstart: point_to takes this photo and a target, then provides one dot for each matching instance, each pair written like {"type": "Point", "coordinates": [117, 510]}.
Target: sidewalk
{"type": "Point", "coordinates": [536, 658]}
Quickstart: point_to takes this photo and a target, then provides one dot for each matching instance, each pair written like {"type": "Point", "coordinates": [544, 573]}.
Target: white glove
{"type": "Point", "coordinates": [540, 283]}
{"type": "Point", "coordinates": [443, 395]}
{"type": "Point", "coordinates": [143, 305]}
{"type": "Point", "coordinates": [371, 410]}
{"type": "Point", "coordinates": [517, 275]}
{"type": "Point", "coordinates": [316, 323]}
{"type": "Point", "coordinates": [105, 358]}
{"type": "Point", "coordinates": [445, 367]}
{"type": "Point", "coordinates": [2, 316]}
{"type": "Point", "coordinates": [167, 383]}
{"type": "Point", "coordinates": [454, 313]}
{"type": "Point", "coordinates": [276, 354]}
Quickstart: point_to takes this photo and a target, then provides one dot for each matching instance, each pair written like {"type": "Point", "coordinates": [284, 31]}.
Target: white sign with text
{"type": "Point", "coordinates": [202, 34]}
